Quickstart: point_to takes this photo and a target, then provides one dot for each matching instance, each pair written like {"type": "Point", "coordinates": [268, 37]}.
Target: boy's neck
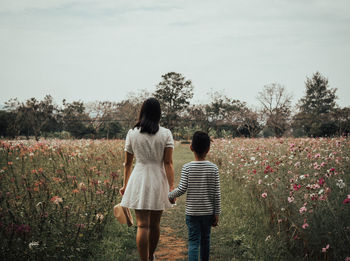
{"type": "Point", "coordinates": [200, 158]}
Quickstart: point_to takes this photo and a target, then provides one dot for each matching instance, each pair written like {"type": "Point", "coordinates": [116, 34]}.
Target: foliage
{"type": "Point", "coordinates": [316, 108]}
{"type": "Point", "coordinates": [56, 197]}
{"type": "Point", "coordinates": [33, 116]}
{"type": "Point", "coordinates": [222, 116]}
{"type": "Point", "coordinates": [276, 109]}
{"type": "Point", "coordinates": [174, 94]}
{"type": "Point", "coordinates": [7, 127]}
{"type": "Point", "coordinates": [76, 120]}
{"type": "Point", "coordinates": [292, 195]}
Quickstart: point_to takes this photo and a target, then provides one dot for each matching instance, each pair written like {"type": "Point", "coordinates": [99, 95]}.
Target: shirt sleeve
{"type": "Point", "coordinates": [182, 188]}
{"type": "Point", "coordinates": [217, 195]}
{"type": "Point", "coordinates": [128, 147]}
{"type": "Point", "coordinates": [170, 141]}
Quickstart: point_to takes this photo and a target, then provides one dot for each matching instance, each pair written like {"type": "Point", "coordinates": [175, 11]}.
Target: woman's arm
{"type": "Point", "coordinates": [169, 168]}
{"type": "Point", "coordinates": [127, 170]}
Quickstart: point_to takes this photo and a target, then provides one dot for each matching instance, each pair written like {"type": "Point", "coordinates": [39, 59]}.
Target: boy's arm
{"type": "Point", "coordinates": [182, 188]}
{"type": "Point", "coordinates": [217, 195]}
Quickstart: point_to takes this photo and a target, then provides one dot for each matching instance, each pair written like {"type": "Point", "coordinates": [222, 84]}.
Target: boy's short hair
{"type": "Point", "coordinates": [200, 142]}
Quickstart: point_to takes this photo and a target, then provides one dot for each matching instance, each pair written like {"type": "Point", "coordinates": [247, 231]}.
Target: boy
{"type": "Point", "coordinates": [200, 178]}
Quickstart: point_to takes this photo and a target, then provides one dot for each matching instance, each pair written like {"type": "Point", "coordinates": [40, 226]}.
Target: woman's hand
{"type": "Point", "coordinates": [122, 191]}
{"type": "Point", "coordinates": [127, 171]}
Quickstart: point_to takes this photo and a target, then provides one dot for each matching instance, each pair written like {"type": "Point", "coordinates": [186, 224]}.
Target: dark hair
{"type": "Point", "coordinates": [200, 142]}
{"type": "Point", "coordinates": [149, 116]}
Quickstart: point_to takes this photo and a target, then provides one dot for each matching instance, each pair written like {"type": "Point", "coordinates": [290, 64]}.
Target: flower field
{"type": "Point", "coordinates": [56, 196]}
{"type": "Point", "coordinates": [303, 186]}
{"type": "Point", "coordinates": [281, 198]}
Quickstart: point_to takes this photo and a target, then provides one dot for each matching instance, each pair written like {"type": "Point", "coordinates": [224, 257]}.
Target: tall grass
{"type": "Point", "coordinates": [284, 199]}
{"type": "Point", "coordinates": [56, 197]}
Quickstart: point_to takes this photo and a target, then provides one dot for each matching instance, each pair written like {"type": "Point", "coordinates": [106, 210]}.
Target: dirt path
{"type": "Point", "coordinates": [170, 246]}
{"type": "Point", "coordinates": [173, 246]}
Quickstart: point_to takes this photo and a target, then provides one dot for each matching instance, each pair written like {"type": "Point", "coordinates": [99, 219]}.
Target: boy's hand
{"type": "Point", "coordinates": [215, 220]}
{"type": "Point", "coordinates": [172, 201]}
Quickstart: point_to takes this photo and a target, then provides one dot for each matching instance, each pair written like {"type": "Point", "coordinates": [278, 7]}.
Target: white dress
{"type": "Point", "coordinates": [148, 185]}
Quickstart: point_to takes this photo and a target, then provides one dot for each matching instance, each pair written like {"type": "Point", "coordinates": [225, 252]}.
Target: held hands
{"type": "Point", "coordinates": [172, 201]}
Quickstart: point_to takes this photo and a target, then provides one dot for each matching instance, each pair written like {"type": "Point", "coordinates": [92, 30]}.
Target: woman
{"type": "Point", "coordinates": [146, 187]}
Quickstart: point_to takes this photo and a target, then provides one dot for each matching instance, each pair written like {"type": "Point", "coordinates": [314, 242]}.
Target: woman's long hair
{"type": "Point", "coordinates": [149, 116]}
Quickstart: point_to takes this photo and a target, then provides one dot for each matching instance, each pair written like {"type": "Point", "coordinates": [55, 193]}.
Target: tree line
{"type": "Point", "coordinates": [315, 115]}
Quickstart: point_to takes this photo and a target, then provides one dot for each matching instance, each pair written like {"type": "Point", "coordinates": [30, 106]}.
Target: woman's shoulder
{"type": "Point", "coordinates": [164, 130]}
{"type": "Point", "coordinates": [133, 131]}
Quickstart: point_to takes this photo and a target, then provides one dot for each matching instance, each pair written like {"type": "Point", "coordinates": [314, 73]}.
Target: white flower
{"type": "Point", "coordinates": [266, 176]}
{"type": "Point", "coordinates": [268, 238]}
{"type": "Point", "coordinates": [321, 191]}
{"type": "Point", "coordinates": [33, 244]}
{"type": "Point", "coordinates": [252, 158]}
{"type": "Point", "coordinates": [340, 183]}
{"type": "Point", "coordinates": [302, 177]}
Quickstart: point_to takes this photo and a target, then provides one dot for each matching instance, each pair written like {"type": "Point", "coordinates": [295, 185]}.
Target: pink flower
{"type": "Point", "coordinates": [321, 181]}
{"type": "Point", "coordinates": [290, 199]}
{"type": "Point", "coordinates": [296, 187]}
{"type": "Point", "coordinates": [324, 249]}
{"type": "Point", "coordinates": [347, 258]}
{"type": "Point", "coordinates": [264, 195]}
{"type": "Point", "coordinates": [56, 200]}
{"type": "Point", "coordinates": [347, 200]}
{"type": "Point", "coordinates": [302, 210]}
{"type": "Point", "coordinates": [260, 181]}
{"type": "Point", "coordinates": [305, 225]}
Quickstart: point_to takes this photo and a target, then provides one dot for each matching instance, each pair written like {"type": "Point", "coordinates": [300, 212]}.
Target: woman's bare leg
{"type": "Point", "coordinates": [143, 232]}
{"type": "Point", "coordinates": [154, 231]}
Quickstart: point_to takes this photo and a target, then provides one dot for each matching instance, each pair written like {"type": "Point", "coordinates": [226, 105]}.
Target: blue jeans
{"type": "Point", "coordinates": [199, 236]}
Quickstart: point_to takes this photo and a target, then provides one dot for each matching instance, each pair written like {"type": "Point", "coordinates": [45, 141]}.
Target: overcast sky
{"type": "Point", "coordinates": [102, 49]}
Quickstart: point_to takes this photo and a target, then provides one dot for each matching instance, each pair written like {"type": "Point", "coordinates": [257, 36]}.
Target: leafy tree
{"type": "Point", "coordinates": [250, 123]}
{"type": "Point", "coordinates": [224, 114]}
{"type": "Point", "coordinates": [7, 122]}
{"type": "Point", "coordinates": [174, 93]}
{"type": "Point", "coordinates": [342, 117]}
{"type": "Point", "coordinates": [276, 107]}
{"type": "Point", "coordinates": [196, 117]}
{"type": "Point", "coordinates": [103, 116]}
{"type": "Point", "coordinates": [316, 107]}
{"type": "Point", "coordinates": [128, 110]}
{"type": "Point", "coordinates": [109, 129]}
{"type": "Point", "coordinates": [32, 116]}
{"type": "Point", "coordinates": [76, 120]}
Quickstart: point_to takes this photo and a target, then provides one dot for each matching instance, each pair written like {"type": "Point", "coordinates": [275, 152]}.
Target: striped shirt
{"type": "Point", "coordinates": [200, 179]}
